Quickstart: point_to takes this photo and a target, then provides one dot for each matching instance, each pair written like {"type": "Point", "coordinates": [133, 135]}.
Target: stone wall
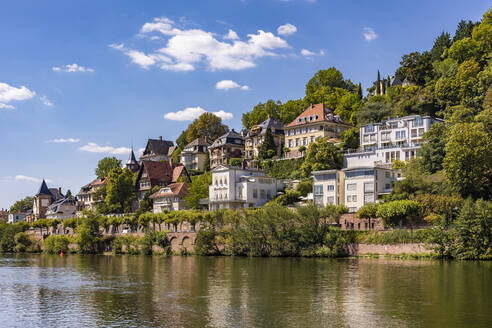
{"type": "Point", "coordinates": [393, 249]}
{"type": "Point", "coordinates": [349, 221]}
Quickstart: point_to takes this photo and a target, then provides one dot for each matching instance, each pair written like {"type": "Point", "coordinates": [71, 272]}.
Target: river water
{"type": "Point", "coordinates": [145, 291]}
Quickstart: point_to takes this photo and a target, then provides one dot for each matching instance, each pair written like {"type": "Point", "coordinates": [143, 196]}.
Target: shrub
{"type": "Point", "coordinates": [55, 244]}
{"type": "Point", "coordinates": [22, 242]}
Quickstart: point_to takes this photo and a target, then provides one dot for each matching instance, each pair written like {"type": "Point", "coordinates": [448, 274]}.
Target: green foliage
{"type": "Point", "coordinates": [432, 151]}
{"type": "Point", "coordinates": [283, 169]}
{"type": "Point", "coordinates": [106, 165]}
{"type": "Point", "coordinates": [468, 160]}
{"type": "Point", "coordinates": [399, 212]}
{"type": "Point", "coordinates": [261, 112]}
{"type": "Point", "coordinates": [463, 30]}
{"type": "Point", "coordinates": [207, 126]}
{"type": "Point", "coordinates": [56, 244]}
{"type": "Point", "coordinates": [119, 190]}
{"type": "Point", "coordinates": [147, 204]}
{"type": "Point", "coordinates": [441, 43]}
{"type": "Point", "coordinates": [198, 189]}
{"type": "Point", "coordinates": [22, 242]}
{"type": "Point", "coordinates": [22, 206]}
{"type": "Point", "coordinates": [321, 155]}
{"type": "Point", "coordinates": [439, 209]}
{"type": "Point", "coordinates": [7, 236]}
{"type": "Point", "coordinates": [305, 187]}
{"type": "Point", "coordinates": [327, 80]}
{"type": "Point", "coordinates": [368, 211]}
{"type": "Point", "coordinates": [373, 112]}
{"type": "Point", "coordinates": [236, 162]}
{"type": "Point", "coordinates": [399, 236]}
{"type": "Point", "coordinates": [351, 138]}
{"type": "Point", "coordinates": [268, 146]}
{"type": "Point", "coordinates": [415, 67]}
{"type": "Point", "coordinates": [87, 235]}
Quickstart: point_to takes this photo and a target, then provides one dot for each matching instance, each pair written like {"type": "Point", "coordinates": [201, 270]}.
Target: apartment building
{"type": "Point", "coordinates": [352, 187]}
{"type": "Point", "coordinates": [390, 140]}
{"type": "Point", "coordinates": [256, 135]}
{"type": "Point", "coordinates": [317, 121]}
{"type": "Point", "coordinates": [235, 187]}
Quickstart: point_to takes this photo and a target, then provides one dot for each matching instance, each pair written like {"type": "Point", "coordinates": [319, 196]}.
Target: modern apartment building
{"type": "Point", "coordinates": [256, 135]}
{"type": "Point", "coordinates": [352, 187]}
{"type": "Point", "coordinates": [235, 187]}
{"type": "Point", "coordinates": [317, 121]}
{"type": "Point", "coordinates": [390, 140]}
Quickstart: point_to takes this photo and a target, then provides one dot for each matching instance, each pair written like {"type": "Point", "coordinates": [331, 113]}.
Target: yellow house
{"type": "Point", "coordinates": [317, 121]}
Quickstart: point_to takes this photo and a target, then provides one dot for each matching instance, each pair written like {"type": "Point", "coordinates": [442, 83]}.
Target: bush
{"type": "Point", "coordinates": [56, 244]}
{"type": "Point", "coordinates": [397, 237]}
{"type": "Point", "coordinates": [22, 242]}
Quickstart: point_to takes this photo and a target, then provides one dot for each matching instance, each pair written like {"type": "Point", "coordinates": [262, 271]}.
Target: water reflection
{"type": "Point", "coordinates": [139, 291]}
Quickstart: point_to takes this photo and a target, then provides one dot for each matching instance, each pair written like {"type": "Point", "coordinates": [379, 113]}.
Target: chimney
{"type": "Point", "coordinates": [160, 138]}
{"type": "Point", "coordinates": [59, 190]}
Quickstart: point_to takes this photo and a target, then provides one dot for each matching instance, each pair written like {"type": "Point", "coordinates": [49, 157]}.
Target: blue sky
{"type": "Point", "coordinates": [80, 80]}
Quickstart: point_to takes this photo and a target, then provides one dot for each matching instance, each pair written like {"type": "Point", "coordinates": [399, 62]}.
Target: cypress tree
{"type": "Point", "coordinates": [378, 84]}
{"type": "Point", "coordinates": [268, 144]}
{"type": "Point", "coordinates": [359, 91]}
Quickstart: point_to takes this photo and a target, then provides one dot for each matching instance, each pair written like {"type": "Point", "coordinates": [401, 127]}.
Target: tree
{"type": "Point", "coordinates": [415, 67]}
{"type": "Point", "coordinates": [330, 78]}
{"type": "Point", "coordinates": [146, 204]}
{"type": "Point", "coordinates": [291, 109]}
{"type": "Point", "coordinates": [442, 42]}
{"type": "Point", "coordinates": [351, 138]}
{"type": "Point", "coordinates": [207, 126]}
{"type": "Point", "coordinates": [373, 112]}
{"type": "Point", "coordinates": [398, 212]}
{"type": "Point", "coordinates": [432, 151]}
{"type": "Point", "coordinates": [68, 194]}
{"type": "Point", "coordinates": [468, 160]}
{"type": "Point", "coordinates": [464, 49]}
{"type": "Point", "coordinates": [359, 91]}
{"type": "Point", "coordinates": [368, 211]}
{"type": "Point", "coordinates": [23, 205]}
{"type": "Point", "coordinates": [261, 112]}
{"type": "Point", "coordinates": [267, 145]}
{"type": "Point", "coordinates": [305, 187]}
{"type": "Point", "coordinates": [198, 189]}
{"type": "Point", "coordinates": [87, 234]}
{"type": "Point", "coordinates": [463, 30]}
{"type": "Point", "coordinates": [119, 190]}
{"type": "Point", "coordinates": [378, 84]}
{"type": "Point", "coordinates": [106, 165]}
{"type": "Point", "coordinates": [321, 155]}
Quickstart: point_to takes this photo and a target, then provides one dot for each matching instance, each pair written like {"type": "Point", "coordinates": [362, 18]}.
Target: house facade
{"type": "Point", "coordinates": [317, 121]}
{"type": "Point", "coordinates": [158, 150]}
{"type": "Point", "coordinates": [170, 198]}
{"type": "Point", "coordinates": [194, 155]}
{"type": "Point", "coordinates": [256, 136]}
{"type": "Point", "coordinates": [86, 198]}
{"type": "Point", "coordinates": [16, 217]}
{"type": "Point", "coordinates": [62, 209]}
{"type": "Point", "coordinates": [235, 187]}
{"type": "Point", "coordinates": [390, 140]}
{"type": "Point", "coordinates": [44, 198]}
{"type": "Point", "coordinates": [230, 145]}
{"type": "Point", "coordinates": [353, 187]}
{"type": "Point", "coordinates": [162, 174]}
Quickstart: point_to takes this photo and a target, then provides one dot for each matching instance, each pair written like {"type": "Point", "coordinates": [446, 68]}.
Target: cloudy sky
{"type": "Point", "coordinates": [80, 80]}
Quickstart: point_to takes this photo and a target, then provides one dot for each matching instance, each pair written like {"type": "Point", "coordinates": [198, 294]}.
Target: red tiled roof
{"type": "Point", "coordinates": [177, 189]}
{"type": "Point", "coordinates": [160, 172]}
{"type": "Point", "coordinates": [314, 113]}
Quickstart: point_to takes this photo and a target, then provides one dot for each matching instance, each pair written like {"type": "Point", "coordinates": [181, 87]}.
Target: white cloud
{"type": "Point", "coordinates": [31, 179]}
{"type": "Point", "coordinates": [72, 68]}
{"type": "Point", "coordinates": [68, 140]}
{"type": "Point", "coordinates": [46, 101]}
{"type": "Point", "coordinates": [185, 49]}
{"type": "Point", "coordinates": [307, 53]}
{"type": "Point", "coordinates": [286, 29]}
{"type": "Point", "coordinates": [229, 84]}
{"type": "Point", "coordinates": [9, 93]}
{"type": "Point", "coordinates": [93, 147]}
{"type": "Point", "coordinates": [231, 35]}
{"type": "Point", "coordinates": [322, 52]}
{"type": "Point", "coordinates": [191, 113]}
{"type": "Point", "coordinates": [369, 34]}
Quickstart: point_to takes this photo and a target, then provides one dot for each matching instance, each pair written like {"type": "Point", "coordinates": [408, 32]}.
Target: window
{"type": "Point", "coordinates": [349, 198]}
{"type": "Point", "coordinates": [305, 141]}
{"type": "Point", "coordinates": [401, 134]}
{"type": "Point", "coordinates": [369, 128]}
{"type": "Point", "coordinates": [387, 174]}
{"type": "Point", "coordinates": [262, 194]}
{"type": "Point", "coordinates": [269, 194]}
{"type": "Point", "coordinates": [225, 180]}
{"type": "Point", "coordinates": [312, 138]}
{"type": "Point", "coordinates": [330, 200]}
{"type": "Point", "coordinates": [387, 186]}
{"type": "Point", "coordinates": [318, 190]}
{"type": "Point", "coordinates": [352, 209]}
{"type": "Point", "coordinates": [298, 142]}
{"type": "Point", "coordinates": [351, 186]}
{"type": "Point", "coordinates": [290, 143]}
{"type": "Point", "coordinates": [176, 199]}
{"type": "Point", "coordinates": [330, 187]}
{"type": "Point", "coordinates": [255, 193]}
{"type": "Point", "coordinates": [354, 198]}
{"type": "Point", "coordinates": [418, 121]}
{"type": "Point", "coordinates": [368, 186]}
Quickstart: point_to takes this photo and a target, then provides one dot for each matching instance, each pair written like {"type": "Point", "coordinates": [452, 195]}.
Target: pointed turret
{"type": "Point", "coordinates": [132, 163]}
{"type": "Point", "coordinates": [43, 189]}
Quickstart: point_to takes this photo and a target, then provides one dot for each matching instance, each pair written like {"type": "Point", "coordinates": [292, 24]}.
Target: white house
{"type": "Point", "coordinates": [16, 217]}
{"type": "Point", "coordinates": [352, 187]}
{"type": "Point", "coordinates": [390, 140]}
{"type": "Point", "coordinates": [235, 187]}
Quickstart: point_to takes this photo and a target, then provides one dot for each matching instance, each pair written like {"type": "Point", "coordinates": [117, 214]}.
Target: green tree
{"type": "Point", "coordinates": [321, 155]}
{"type": "Point", "coordinates": [432, 151]}
{"type": "Point", "coordinates": [399, 212]}
{"type": "Point", "coordinates": [268, 144]}
{"type": "Point", "coordinates": [368, 211]}
{"type": "Point", "coordinates": [359, 91]}
{"type": "Point", "coordinates": [415, 67]}
{"type": "Point", "coordinates": [463, 30]}
{"type": "Point", "coordinates": [207, 126]}
{"type": "Point", "coordinates": [468, 160]}
{"type": "Point", "coordinates": [330, 79]}
{"type": "Point", "coordinates": [198, 189]}
{"type": "Point", "coordinates": [87, 234]}
{"type": "Point", "coordinates": [351, 138]}
{"type": "Point", "coordinates": [119, 190]}
{"type": "Point", "coordinates": [378, 84]}
{"type": "Point", "coordinates": [106, 165]}
{"type": "Point", "coordinates": [373, 112]}
{"type": "Point", "coordinates": [442, 42]}
{"type": "Point", "coordinates": [464, 49]}
{"type": "Point", "coordinates": [305, 187]}
{"type": "Point", "coordinates": [291, 109]}
{"type": "Point", "coordinates": [147, 204]}
{"type": "Point", "coordinates": [23, 205]}
{"type": "Point", "coordinates": [261, 112]}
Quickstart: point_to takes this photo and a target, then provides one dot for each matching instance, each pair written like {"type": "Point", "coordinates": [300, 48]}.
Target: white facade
{"type": "Point", "coordinates": [394, 139]}
{"type": "Point", "coordinates": [16, 217]}
{"type": "Point", "coordinates": [237, 188]}
{"type": "Point", "coordinates": [352, 187]}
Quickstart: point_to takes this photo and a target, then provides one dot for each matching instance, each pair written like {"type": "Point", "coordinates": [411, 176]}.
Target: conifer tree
{"type": "Point", "coordinates": [268, 144]}
{"type": "Point", "coordinates": [359, 91]}
{"type": "Point", "coordinates": [378, 84]}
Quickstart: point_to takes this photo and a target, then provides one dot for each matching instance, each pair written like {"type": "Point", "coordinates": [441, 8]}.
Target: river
{"type": "Point", "coordinates": [146, 291]}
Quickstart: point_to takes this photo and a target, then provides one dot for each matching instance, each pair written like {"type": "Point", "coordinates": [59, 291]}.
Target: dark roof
{"type": "Point", "coordinates": [199, 142]}
{"type": "Point", "coordinates": [395, 81]}
{"type": "Point", "coordinates": [231, 137]}
{"type": "Point", "coordinates": [158, 147]}
{"type": "Point", "coordinates": [161, 172]}
{"type": "Point", "coordinates": [269, 123]}
{"type": "Point", "coordinates": [131, 160]}
{"type": "Point", "coordinates": [43, 189]}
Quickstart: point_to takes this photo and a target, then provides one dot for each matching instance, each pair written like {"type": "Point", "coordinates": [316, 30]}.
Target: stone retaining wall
{"type": "Point", "coordinates": [393, 249]}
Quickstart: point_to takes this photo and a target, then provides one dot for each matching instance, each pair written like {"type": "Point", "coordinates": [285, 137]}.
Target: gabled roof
{"type": "Point", "coordinates": [316, 113]}
{"type": "Point", "coordinates": [44, 190]}
{"type": "Point", "coordinates": [161, 172]}
{"type": "Point", "coordinates": [174, 189]}
{"type": "Point", "coordinates": [131, 159]}
{"type": "Point", "coordinates": [395, 81]}
{"type": "Point", "coordinates": [158, 147]}
{"type": "Point", "coordinates": [269, 123]}
{"type": "Point", "coordinates": [231, 137]}
{"type": "Point", "coordinates": [56, 193]}
{"type": "Point", "coordinates": [199, 142]}
{"type": "Point", "coordinates": [94, 183]}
